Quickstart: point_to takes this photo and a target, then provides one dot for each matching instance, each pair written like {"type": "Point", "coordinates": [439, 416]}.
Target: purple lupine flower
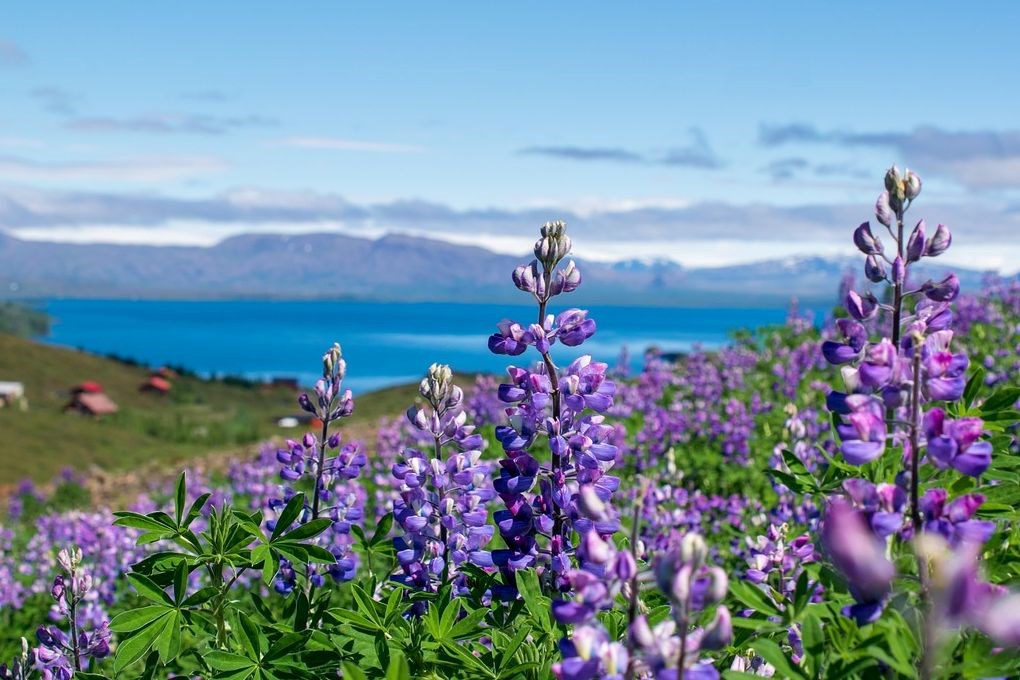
{"type": "Point", "coordinates": [859, 555]}
{"type": "Point", "coordinates": [442, 502]}
{"type": "Point", "coordinates": [588, 653]}
{"type": "Point", "coordinates": [59, 655]}
{"type": "Point", "coordinates": [945, 371]}
{"type": "Point", "coordinates": [332, 467]}
{"type": "Point", "coordinates": [867, 242]}
{"type": "Point", "coordinates": [854, 338]}
{"type": "Point", "coordinates": [945, 290]}
{"type": "Point", "coordinates": [883, 504]}
{"type": "Point", "coordinates": [543, 502]}
{"type": "Point", "coordinates": [864, 431]}
{"type": "Point", "coordinates": [916, 243]}
{"type": "Point", "coordinates": [691, 586]}
{"type": "Point", "coordinates": [954, 521]}
{"type": "Point", "coordinates": [939, 242]}
{"type": "Point", "coordinates": [957, 443]}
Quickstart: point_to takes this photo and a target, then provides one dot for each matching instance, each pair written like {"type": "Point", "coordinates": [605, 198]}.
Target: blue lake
{"type": "Point", "coordinates": [384, 343]}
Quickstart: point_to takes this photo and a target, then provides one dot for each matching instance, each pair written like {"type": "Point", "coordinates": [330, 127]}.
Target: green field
{"type": "Point", "coordinates": [199, 418]}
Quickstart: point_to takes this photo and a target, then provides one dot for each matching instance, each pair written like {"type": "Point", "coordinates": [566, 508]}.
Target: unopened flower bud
{"type": "Point", "coordinates": [680, 586]}
{"type": "Point", "coordinates": [626, 567]}
{"type": "Point", "coordinates": [305, 403]}
{"type": "Point", "coordinates": [899, 270]}
{"type": "Point", "coordinates": [346, 406]}
{"type": "Point", "coordinates": [308, 441]}
{"type": "Point", "coordinates": [911, 184]}
{"type": "Point", "coordinates": [719, 586]}
{"type": "Point", "coordinates": [330, 359]}
{"type": "Point", "coordinates": [915, 244]}
{"type": "Point", "coordinates": [554, 244]}
{"type": "Point", "coordinates": [566, 280]}
{"type": "Point", "coordinates": [69, 558]}
{"type": "Point", "coordinates": [590, 505]}
{"type": "Point", "coordinates": [896, 187]}
{"type": "Point", "coordinates": [596, 550]}
{"type": "Point", "coordinates": [874, 269]}
{"type": "Point", "coordinates": [641, 633]}
{"type": "Point", "coordinates": [693, 549]}
{"type": "Point", "coordinates": [526, 277]}
{"type": "Point", "coordinates": [945, 290]}
{"type": "Point", "coordinates": [892, 178]}
{"type": "Point", "coordinates": [435, 387]}
{"type": "Point", "coordinates": [883, 210]}
{"type": "Point", "coordinates": [865, 241]}
{"type": "Point", "coordinates": [719, 633]}
{"type": "Point", "coordinates": [939, 242]}
{"type": "Point", "coordinates": [861, 307]}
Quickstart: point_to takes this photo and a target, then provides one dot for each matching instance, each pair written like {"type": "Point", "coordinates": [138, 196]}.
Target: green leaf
{"type": "Point", "coordinates": [226, 661]}
{"type": "Point", "coordinates": [148, 589]}
{"type": "Point", "coordinates": [199, 597]}
{"type": "Point", "coordinates": [196, 509]}
{"type": "Point", "coordinates": [1000, 400]}
{"type": "Point", "coordinates": [180, 498]}
{"type": "Point", "coordinates": [772, 653]}
{"type": "Point", "coordinates": [284, 646]}
{"type": "Point", "coordinates": [137, 618]}
{"type": "Point", "coordinates": [169, 643]}
{"type": "Point", "coordinates": [398, 669]}
{"type": "Point", "coordinates": [250, 636]}
{"type": "Point", "coordinates": [135, 647]}
{"type": "Point", "coordinates": [289, 514]}
{"type": "Point", "coordinates": [813, 638]}
{"type": "Point", "coordinates": [180, 580]}
{"type": "Point", "coordinates": [308, 530]}
{"type": "Point", "coordinates": [353, 672]}
{"type": "Point", "coordinates": [382, 530]}
{"type": "Point", "coordinates": [974, 384]}
{"type": "Point", "coordinates": [752, 597]}
{"type": "Point", "coordinates": [538, 605]}
{"type": "Point", "coordinates": [315, 553]}
{"type": "Point", "coordinates": [135, 520]}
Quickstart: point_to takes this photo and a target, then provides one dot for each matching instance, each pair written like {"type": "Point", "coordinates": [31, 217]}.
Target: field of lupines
{"type": "Point", "coordinates": [830, 498]}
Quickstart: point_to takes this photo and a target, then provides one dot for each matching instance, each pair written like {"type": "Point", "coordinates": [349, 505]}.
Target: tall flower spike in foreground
{"type": "Point", "coordinates": [670, 650]}
{"type": "Point", "coordinates": [331, 468]}
{"type": "Point", "coordinates": [888, 381]}
{"type": "Point", "coordinates": [562, 407]}
{"type": "Point", "coordinates": [61, 654]}
{"type": "Point", "coordinates": [442, 504]}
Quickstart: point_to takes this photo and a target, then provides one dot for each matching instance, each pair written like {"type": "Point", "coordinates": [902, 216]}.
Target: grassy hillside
{"type": "Point", "coordinates": [198, 417]}
{"type": "Point", "coordinates": [22, 321]}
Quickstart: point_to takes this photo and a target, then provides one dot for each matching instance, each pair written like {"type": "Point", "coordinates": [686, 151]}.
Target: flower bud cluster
{"type": "Point", "coordinates": [692, 587]}
{"type": "Point", "coordinates": [61, 654]}
{"type": "Point", "coordinates": [330, 467]}
{"type": "Point", "coordinates": [442, 508]}
{"type": "Point", "coordinates": [546, 502]}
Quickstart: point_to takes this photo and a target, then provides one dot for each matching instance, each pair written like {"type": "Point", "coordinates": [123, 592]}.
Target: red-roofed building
{"type": "Point", "coordinates": [91, 404]}
{"type": "Point", "coordinates": [155, 384]}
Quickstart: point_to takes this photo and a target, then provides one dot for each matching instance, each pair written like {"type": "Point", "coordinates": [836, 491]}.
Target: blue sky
{"type": "Point", "coordinates": [706, 133]}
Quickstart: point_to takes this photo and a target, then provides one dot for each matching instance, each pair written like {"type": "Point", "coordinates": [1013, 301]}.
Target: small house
{"type": "Point", "coordinates": [89, 399]}
{"type": "Point", "coordinates": [155, 384]}
{"type": "Point", "coordinates": [87, 387]}
{"type": "Point", "coordinates": [12, 394]}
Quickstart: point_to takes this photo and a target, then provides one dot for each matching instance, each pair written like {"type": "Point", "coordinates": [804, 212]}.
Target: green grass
{"type": "Point", "coordinates": [199, 418]}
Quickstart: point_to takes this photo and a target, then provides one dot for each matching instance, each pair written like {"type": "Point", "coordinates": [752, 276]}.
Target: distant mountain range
{"type": "Point", "coordinates": [393, 267]}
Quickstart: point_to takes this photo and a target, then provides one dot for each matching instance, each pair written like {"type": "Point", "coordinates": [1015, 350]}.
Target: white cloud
{"type": "Point", "coordinates": [142, 169]}
{"type": "Point", "coordinates": [338, 144]}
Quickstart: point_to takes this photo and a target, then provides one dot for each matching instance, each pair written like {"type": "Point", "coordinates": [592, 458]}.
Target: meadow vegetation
{"type": "Point", "coordinates": [827, 498]}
